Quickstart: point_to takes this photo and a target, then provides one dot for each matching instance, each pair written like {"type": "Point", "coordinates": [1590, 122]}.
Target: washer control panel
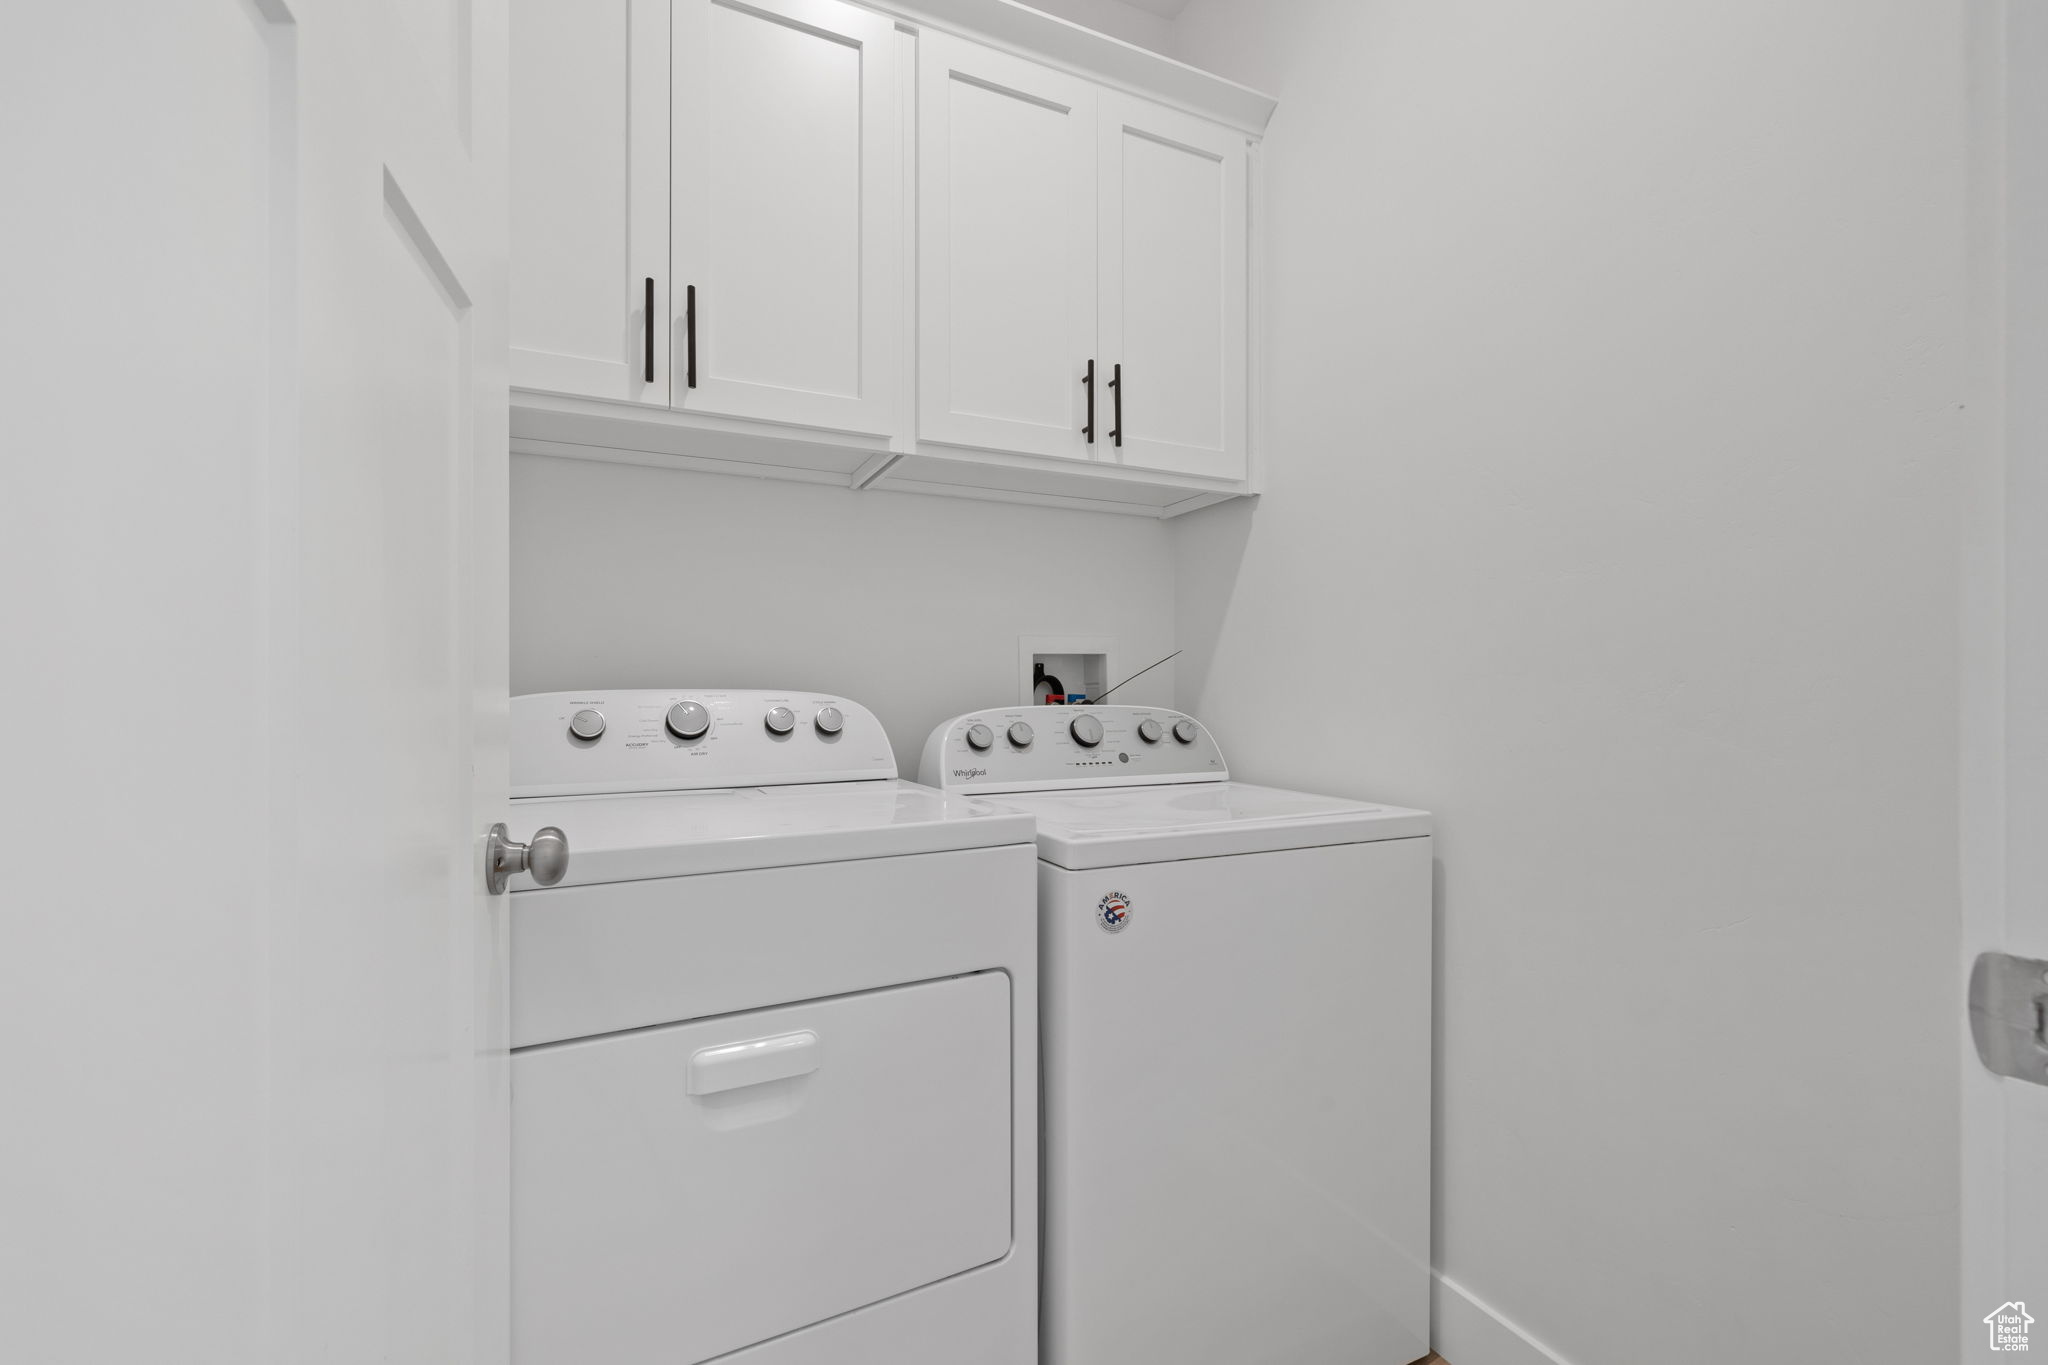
{"type": "Point", "coordinates": [1046, 748]}
{"type": "Point", "coordinates": [649, 739]}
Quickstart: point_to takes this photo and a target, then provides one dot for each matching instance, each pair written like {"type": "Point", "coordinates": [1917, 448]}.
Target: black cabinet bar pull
{"type": "Point", "coordinates": [649, 311]}
{"type": "Point", "coordinates": [1088, 381]}
{"type": "Point", "coordinates": [690, 336]}
{"type": "Point", "coordinates": [1116, 381]}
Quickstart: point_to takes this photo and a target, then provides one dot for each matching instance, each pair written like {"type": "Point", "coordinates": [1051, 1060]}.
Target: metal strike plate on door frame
{"type": "Point", "coordinates": [2009, 1015]}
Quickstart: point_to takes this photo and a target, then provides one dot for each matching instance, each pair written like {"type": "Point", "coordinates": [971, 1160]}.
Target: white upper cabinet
{"type": "Point", "coordinates": [1064, 231]}
{"type": "Point", "coordinates": [1006, 251]}
{"type": "Point", "coordinates": [961, 248]}
{"type": "Point", "coordinates": [1172, 267]}
{"type": "Point", "coordinates": [786, 296]}
{"type": "Point", "coordinates": [589, 168]}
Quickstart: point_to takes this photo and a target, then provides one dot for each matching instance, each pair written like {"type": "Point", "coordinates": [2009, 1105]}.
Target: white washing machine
{"type": "Point", "coordinates": [1235, 1039]}
{"type": "Point", "coordinates": [775, 1033]}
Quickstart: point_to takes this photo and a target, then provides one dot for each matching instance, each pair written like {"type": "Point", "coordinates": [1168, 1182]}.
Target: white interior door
{"type": "Point", "coordinates": [788, 213]}
{"type": "Point", "coordinates": [253, 549]}
{"type": "Point", "coordinates": [2005, 1121]}
{"type": "Point", "coordinates": [1006, 252]}
{"type": "Point", "coordinates": [1173, 265]}
{"type": "Point", "coordinates": [590, 129]}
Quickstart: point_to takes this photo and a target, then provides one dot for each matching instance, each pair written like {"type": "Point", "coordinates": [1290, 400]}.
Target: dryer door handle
{"type": "Point", "coordinates": [754, 1062]}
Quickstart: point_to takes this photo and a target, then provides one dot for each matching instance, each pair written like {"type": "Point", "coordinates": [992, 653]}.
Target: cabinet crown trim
{"type": "Point", "coordinates": [1033, 34]}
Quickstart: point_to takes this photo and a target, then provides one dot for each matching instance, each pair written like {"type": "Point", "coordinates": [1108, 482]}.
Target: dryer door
{"type": "Point", "coordinates": [684, 1191]}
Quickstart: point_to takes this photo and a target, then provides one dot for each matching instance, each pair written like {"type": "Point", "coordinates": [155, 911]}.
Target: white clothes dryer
{"type": "Point", "coordinates": [773, 1075]}
{"type": "Point", "coordinates": [1235, 1040]}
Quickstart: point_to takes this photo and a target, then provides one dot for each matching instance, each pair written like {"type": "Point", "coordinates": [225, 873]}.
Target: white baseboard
{"type": "Point", "coordinates": [1466, 1331]}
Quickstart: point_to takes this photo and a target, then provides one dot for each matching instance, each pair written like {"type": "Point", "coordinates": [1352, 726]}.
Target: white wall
{"type": "Point", "coordinates": [630, 576]}
{"type": "Point", "coordinates": [1616, 359]}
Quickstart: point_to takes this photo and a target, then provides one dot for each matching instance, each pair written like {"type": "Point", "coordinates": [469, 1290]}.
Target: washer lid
{"type": "Point", "coordinates": [636, 836]}
{"type": "Point", "coordinates": [1110, 828]}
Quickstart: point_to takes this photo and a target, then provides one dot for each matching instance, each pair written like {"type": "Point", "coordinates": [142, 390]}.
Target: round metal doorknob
{"type": "Point", "coordinates": [547, 855]}
{"type": "Point", "coordinates": [545, 858]}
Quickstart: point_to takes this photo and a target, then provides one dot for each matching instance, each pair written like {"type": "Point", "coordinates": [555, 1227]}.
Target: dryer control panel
{"type": "Point", "coordinates": [1058, 748]}
{"type": "Point", "coordinates": [653, 739]}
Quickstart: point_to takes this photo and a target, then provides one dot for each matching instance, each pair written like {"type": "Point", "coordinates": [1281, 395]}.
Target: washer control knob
{"type": "Point", "coordinates": [780, 720]}
{"type": "Point", "coordinates": [1185, 731]}
{"type": "Point", "coordinates": [688, 720]}
{"type": "Point", "coordinates": [1151, 731]}
{"type": "Point", "coordinates": [1020, 734]}
{"type": "Point", "coordinates": [979, 736]}
{"type": "Point", "coordinates": [829, 720]}
{"type": "Point", "coordinates": [587, 724]}
{"type": "Point", "coordinates": [1086, 730]}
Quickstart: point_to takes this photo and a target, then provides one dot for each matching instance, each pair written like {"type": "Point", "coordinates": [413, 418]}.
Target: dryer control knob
{"type": "Point", "coordinates": [979, 736]}
{"type": "Point", "coordinates": [1185, 731]}
{"type": "Point", "coordinates": [780, 720]}
{"type": "Point", "coordinates": [587, 724]}
{"type": "Point", "coordinates": [1020, 734]}
{"type": "Point", "coordinates": [829, 720]}
{"type": "Point", "coordinates": [1086, 730]}
{"type": "Point", "coordinates": [688, 720]}
{"type": "Point", "coordinates": [1151, 731]}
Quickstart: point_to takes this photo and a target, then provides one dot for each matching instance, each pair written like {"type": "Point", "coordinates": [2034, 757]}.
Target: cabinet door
{"type": "Point", "coordinates": [589, 168]}
{"type": "Point", "coordinates": [1173, 268]}
{"type": "Point", "coordinates": [1006, 251]}
{"type": "Point", "coordinates": [788, 213]}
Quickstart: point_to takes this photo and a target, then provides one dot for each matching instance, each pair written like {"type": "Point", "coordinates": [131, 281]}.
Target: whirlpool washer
{"type": "Point", "coordinates": [1235, 1034]}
